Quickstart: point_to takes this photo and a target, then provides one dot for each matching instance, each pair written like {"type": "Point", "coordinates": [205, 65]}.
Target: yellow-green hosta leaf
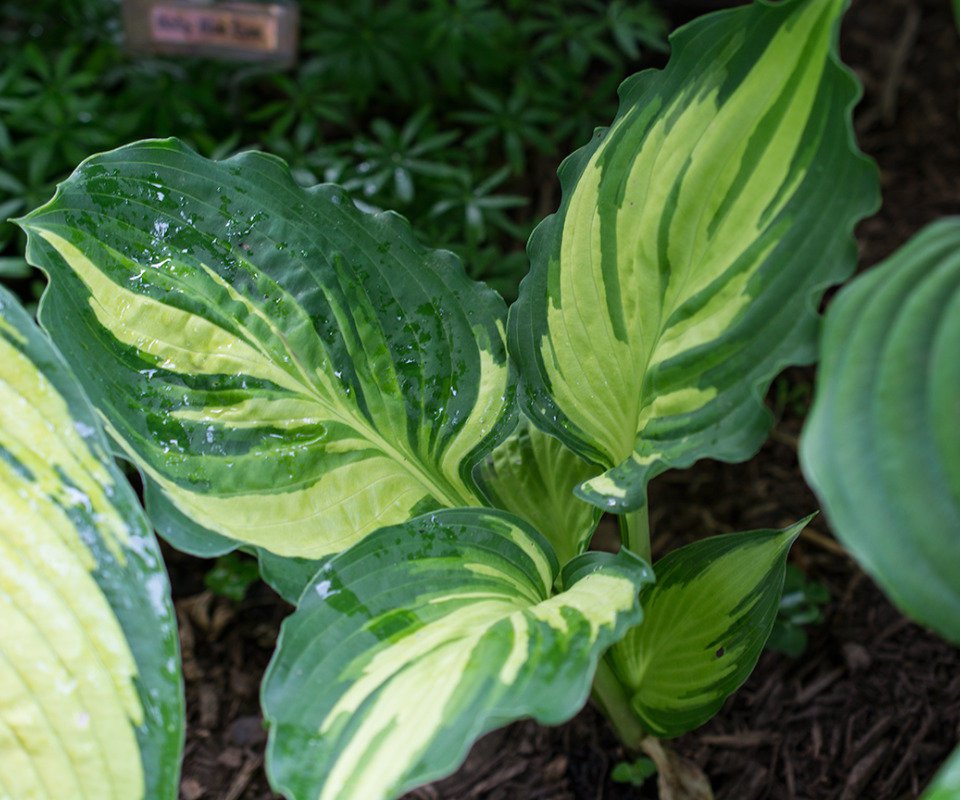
{"type": "Point", "coordinates": [90, 688]}
{"type": "Point", "coordinates": [881, 447]}
{"type": "Point", "coordinates": [694, 238]}
{"type": "Point", "coordinates": [423, 637]}
{"type": "Point", "coordinates": [287, 371]}
{"type": "Point", "coordinates": [533, 475]}
{"type": "Point", "coordinates": [705, 623]}
{"type": "Point", "coordinates": [946, 785]}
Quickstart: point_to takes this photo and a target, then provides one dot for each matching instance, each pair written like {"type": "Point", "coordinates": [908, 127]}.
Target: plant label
{"type": "Point", "coordinates": [243, 31]}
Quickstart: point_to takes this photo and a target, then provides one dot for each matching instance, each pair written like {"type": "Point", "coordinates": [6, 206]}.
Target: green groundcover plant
{"type": "Point", "coordinates": [439, 109]}
{"type": "Point", "coordinates": [419, 470]}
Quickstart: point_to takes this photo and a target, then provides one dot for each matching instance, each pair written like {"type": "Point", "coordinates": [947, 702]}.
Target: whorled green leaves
{"type": "Point", "coordinates": [424, 636]}
{"type": "Point", "coordinates": [705, 623]}
{"type": "Point", "coordinates": [288, 372]}
{"type": "Point", "coordinates": [881, 447]}
{"type": "Point", "coordinates": [90, 689]}
{"type": "Point", "coordinates": [534, 475]}
{"type": "Point", "coordinates": [693, 240]}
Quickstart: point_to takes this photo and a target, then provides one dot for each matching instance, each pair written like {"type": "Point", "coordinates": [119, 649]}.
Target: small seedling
{"type": "Point", "coordinates": [232, 575]}
{"type": "Point", "coordinates": [800, 607]}
{"type": "Point", "coordinates": [635, 773]}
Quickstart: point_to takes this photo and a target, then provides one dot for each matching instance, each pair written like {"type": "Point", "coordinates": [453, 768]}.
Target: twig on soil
{"type": "Point", "coordinates": [906, 756]}
{"type": "Point", "coordinates": [863, 770]}
{"type": "Point", "coordinates": [745, 739]}
{"type": "Point", "coordinates": [500, 777]}
{"type": "Point", "coordinates": [822, 683]}
{"type": "Point", "coordinates": [898, 60]}
{"type": "Point", "coordinates": [788, 775]}
{"type": "Point", "coordinates": [823, 541]}
{"type": "Point", "coordinates": [782, 437]}
{"type": "Point", "coordinates": [250, 766]}
{"type": "Point", "coordinates": [869, 738]}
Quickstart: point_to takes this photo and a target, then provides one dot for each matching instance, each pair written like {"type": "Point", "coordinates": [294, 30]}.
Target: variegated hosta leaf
{"type": "Point", "coordinates": [705, 623]}
{"type": "Point", "coordinates": [90, 689]}
{"type": "Point", "coordinates": [881, 447]}
{"type": "Point", "coordinates": [424, 636]}
{"type": "Point", "coordinates": [946, 785]}
{"type": "Point", "coordinates": [695, 235]}
{"type": "Point", "coordinates": [287, 371]}
{"type": "Point", "coordinates": [533, 475]}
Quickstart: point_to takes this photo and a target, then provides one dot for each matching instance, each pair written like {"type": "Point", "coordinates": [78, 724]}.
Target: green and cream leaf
{"type": "Point", "coordinates": [90, 688]}
{"type": "Point", "coordinates": [287, 371]}
{"type": "Point", "coordinates": [534, 475]}
{"type": "Point", "coordinates": [706, 621]}
{"type": "Point", "coordinates": [694, 238]}
{"type": "Point", "coordinates": [423, 637]}
{"type": "Point", "coordinates": [881, 447]}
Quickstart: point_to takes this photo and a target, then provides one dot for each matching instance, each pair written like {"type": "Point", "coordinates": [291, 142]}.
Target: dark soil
{"type": "Point", "coordinates": [870, 710]}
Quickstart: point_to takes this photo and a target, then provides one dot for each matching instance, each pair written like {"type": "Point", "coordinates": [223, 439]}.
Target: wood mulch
{"type": "Point", "coordinates": [874, 705]}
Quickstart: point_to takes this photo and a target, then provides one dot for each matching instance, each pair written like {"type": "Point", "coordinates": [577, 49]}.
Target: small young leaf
{"type": "Point", "coordinates": [799, 606]}
{"type": "Point", "coordinates": [287, 371]}
{"type": "Point", "coordinates": [423, 637]}
{"type": "Point", "coordinates": [91, 701]}
{"type": "Point", "coordinates": [533, 476]}
{"type": "Point", "coordinates": [695, 235]}
{"type": "Point", "coordinates": [231, 576]}
{"type": "Point", "coordinates": [705, 623]}
{"type": "Point", "coordinates": [634, 772]}
{"type": "Point", "coordinates": [881, 447]}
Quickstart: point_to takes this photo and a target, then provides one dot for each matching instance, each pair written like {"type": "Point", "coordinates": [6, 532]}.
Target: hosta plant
{"type": "Point", "coordinates": [90, 687]}
{"type": "Point", "coordinates": [422, 472]}
{"type": "Point", "coordinates": [881, 447]}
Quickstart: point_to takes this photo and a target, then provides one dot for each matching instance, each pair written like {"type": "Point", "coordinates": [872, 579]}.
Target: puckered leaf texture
{"type": "Point", "coordinates": [288, 372]}
{"type": "Point", "coordinates": [881, 447]}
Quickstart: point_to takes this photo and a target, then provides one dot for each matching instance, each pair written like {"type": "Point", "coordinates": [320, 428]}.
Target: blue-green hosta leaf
{"type": "Point", "coordinates": [695, 235]}
{"type": "Point", "coordinates": [881, 447]}
{"type": "Point", "coordinates": [946, 785]}
{"type": "Point", "coordinates": [424, 636]}
{"type": "Point", "coordinates": [90, 689]}
{"type": "Point", "coordinates": [287, 371]}
{"type": "Point", "coordinates": [533, 475]}
{"type": "Point", "coordinates": [705, 623]}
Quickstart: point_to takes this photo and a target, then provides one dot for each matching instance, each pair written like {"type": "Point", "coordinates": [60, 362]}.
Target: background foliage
{"type": "Point", "coordinates": [453, 112]}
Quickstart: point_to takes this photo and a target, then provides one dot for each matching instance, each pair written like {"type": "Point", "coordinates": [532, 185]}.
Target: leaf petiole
{"type": "Point", "coordinates": [635, 532]}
